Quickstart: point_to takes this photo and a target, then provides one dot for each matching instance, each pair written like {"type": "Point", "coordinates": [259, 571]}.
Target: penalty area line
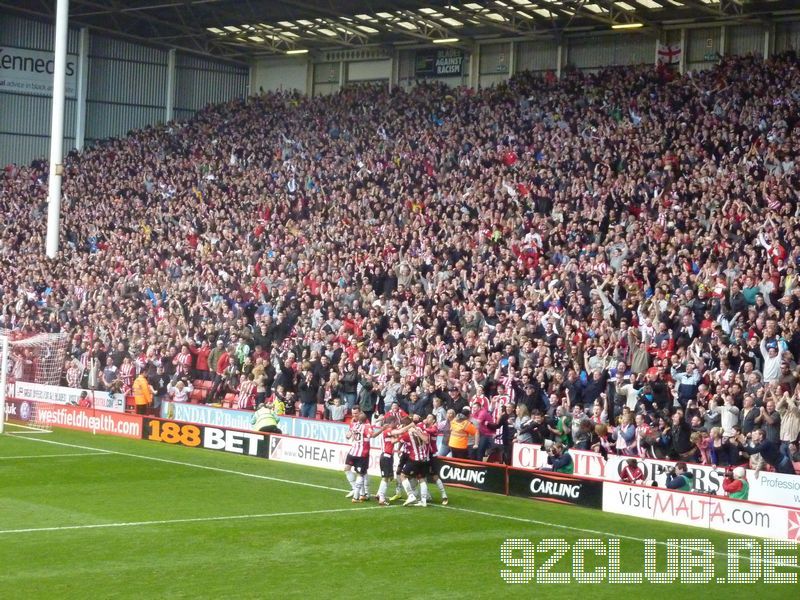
{"type": "Point", "coordinates": [68, 454]}
{"type": "Point", "coordinates": [187, 520]}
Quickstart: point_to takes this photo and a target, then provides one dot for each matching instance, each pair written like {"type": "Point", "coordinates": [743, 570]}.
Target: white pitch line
{"type": "Point", "coordinates": [54, 455]}
{"type": "Point", "coordinates": [593, 531]}
{"type": "Point", "coordinates": [450, 507]}
{"type": "Point", "coordinates": [186, 464]}
{"type": "Point", "coordinates": [190, 520]}
{"type": "Point", "coordinates": [33, 429]}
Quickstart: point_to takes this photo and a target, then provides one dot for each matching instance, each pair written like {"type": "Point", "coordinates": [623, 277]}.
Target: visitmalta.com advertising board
{"type": "Point", "coordinates": [702, 510]}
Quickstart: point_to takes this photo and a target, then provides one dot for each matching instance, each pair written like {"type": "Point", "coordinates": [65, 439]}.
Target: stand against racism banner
{"type": "Point", "coordinates": [701, 510]}
{"type": "Point", "coordinates": [771, 488]}
{"type": "Point", "coordinates": [246, 443]}
{"type": "Point", "coordinates": [555, 487]}
{"type": "Point", "coordinates": [444, 62]}
{"type": "Point", "coordinates": [74, 417]}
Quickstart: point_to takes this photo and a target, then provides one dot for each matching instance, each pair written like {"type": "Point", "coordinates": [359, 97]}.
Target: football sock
{"type": "Point", "coordinates": [423, 490]}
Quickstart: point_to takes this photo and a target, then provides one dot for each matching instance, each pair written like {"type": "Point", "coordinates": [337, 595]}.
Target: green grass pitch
{"type": "Point", "coordinates": [85, 516]}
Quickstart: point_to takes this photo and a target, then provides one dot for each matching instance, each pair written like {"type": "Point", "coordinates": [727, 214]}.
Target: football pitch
{"type": "Point", "coordinates": [85, 516]}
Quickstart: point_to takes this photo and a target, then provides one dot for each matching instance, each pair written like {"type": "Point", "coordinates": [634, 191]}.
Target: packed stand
{"type": "Point", "coordinates": [607, 262]}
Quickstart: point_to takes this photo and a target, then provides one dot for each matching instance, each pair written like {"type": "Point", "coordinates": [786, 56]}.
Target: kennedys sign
{"type": "Point", "coordinates": [555, 487]}
{"type": "Point", "coordinates": [472, 475]}
{"type": "Point", "coordinates": [31, 72]}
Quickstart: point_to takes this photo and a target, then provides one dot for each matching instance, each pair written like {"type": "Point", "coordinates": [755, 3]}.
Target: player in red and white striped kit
{"type": "Point", "coordinates": [357, 461]}
{"type": "Point", "coordinates": [387, 424]}
{"type": "Point", "coordinates": [416, 442]}
{"type": "Point", "coordinates": [429, 427]}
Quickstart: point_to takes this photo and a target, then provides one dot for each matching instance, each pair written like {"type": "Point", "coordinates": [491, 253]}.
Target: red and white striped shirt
{"type": "Point", "coordinates": [499, 404]}
{"type": "Point", "coordinates": [482, 401]}
{"type": "Point", "coordinates": [247, 394]}
{"type": "Point", "coordinates": [508, 385]}
{"type": "Point", "coordinates": [359, 435]}
{"type": "Point", "coordinates": [183, 362]}
{"type": "Point", "coordinates": [419, 364]}
{"type": "Point", "coordinates": [433, 442]}
{"type": "Point", "coordinates": [74, 376]}
{"type": "Point", "coordinates": [141, 362]}
{"type": "Point", "coordinates": [126, 374]}
{"type": "Point", "coordinates": [417, 450]}
{"type": "Point", "coordinates": [387, 442]}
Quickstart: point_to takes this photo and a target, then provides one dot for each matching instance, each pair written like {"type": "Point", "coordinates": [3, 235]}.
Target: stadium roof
{"type": "Point", "coordinates": [238, 29]}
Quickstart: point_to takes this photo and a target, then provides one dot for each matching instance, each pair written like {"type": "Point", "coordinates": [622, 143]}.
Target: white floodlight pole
{"type": "Point", "coordinates": [57, 129]}
{"type": "Point", "coordinates": [4, 360]}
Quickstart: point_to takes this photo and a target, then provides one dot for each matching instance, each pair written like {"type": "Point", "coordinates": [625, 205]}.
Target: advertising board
{"type": "Point", "coordinates": [246, 443]}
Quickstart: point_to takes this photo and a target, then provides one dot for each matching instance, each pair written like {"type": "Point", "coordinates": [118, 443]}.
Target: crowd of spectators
{"type": "Point", "coordinates": [614, 255]}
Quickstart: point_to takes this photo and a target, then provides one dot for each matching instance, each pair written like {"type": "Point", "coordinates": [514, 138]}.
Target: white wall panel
{"type": "Point", "coordinates": [611, 50]}
{"type": "Point", "coordinates": [127, 82]}
{"type": "Point", "coordinates": [787, 36]}
{"type": "Point", "coordinates": [201, 81]}
{"type": "Point", "coordinates": [702, 46]}
{"type": "Point", "coordinates": [326, 72]}
{"type": "Point", "coordinates": [116, 120]}
{"type": "Point", "coordinates": [283, 73]}
{"type": "Point", "coordinates": [405, 67]}
{"type": "Point", "coordinates": [745, 39]}
{"type": "Point", "coordinates": [35, 35]}
{"type": "Point", "coordinates": [537, 55]}
{"type": "Point", "coordinates": [123, 50]}
{"type": "Point", "coordinates": [495, 58]}
{"type": "Point", "coordinates": [37, 111]}
{"type": "Point", "coordinates": [369, 70]}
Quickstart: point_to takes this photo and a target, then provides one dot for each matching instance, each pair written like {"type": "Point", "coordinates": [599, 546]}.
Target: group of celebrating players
{"type": "Point", "coordinates": [412, 439]}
